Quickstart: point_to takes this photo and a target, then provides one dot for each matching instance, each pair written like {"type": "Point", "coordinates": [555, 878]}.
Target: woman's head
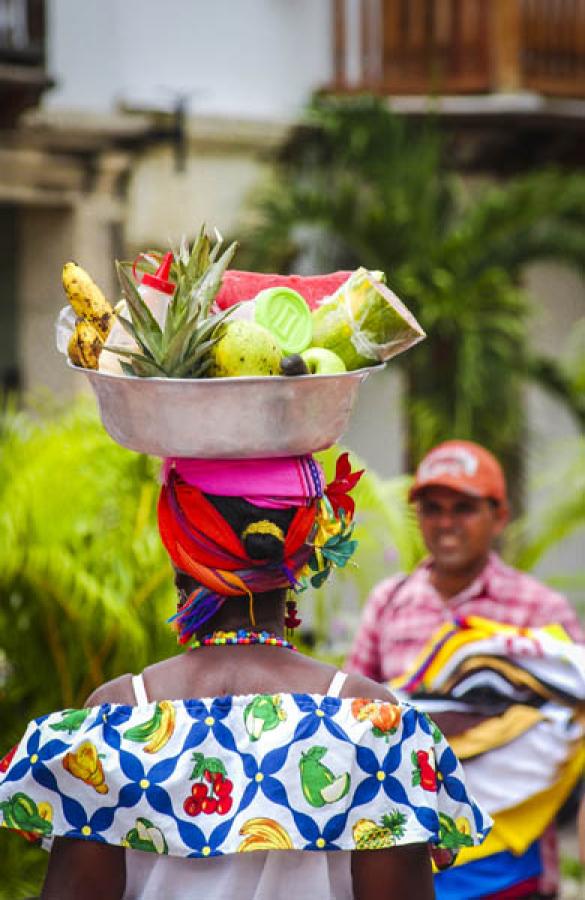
{"type": "Point", "coordinates": [268, 538]}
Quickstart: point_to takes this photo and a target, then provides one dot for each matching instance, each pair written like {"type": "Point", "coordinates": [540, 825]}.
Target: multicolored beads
{"type": "Point", "coordinates": [242, 636]}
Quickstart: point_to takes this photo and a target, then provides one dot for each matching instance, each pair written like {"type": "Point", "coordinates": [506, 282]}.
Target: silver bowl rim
{"type": "Point", "coordinates": [230, 380]}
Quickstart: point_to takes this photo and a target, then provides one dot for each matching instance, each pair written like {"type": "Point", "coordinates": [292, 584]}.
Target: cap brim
{"type": "Point", "coordinates": [445, 481]}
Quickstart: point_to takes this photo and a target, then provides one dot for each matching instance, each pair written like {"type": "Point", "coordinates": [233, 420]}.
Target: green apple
{"type": "Point", "coordinates": [323, 362]}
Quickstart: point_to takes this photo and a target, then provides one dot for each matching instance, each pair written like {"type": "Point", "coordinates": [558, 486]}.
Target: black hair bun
{"type": "Point", "coordinates": [262, 531]}
{"type": "Point", "coordinates": [263, 546]}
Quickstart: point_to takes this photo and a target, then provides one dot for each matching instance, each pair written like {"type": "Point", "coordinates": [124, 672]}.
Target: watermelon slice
{"type": "Point", "coordinates": [238, 285]}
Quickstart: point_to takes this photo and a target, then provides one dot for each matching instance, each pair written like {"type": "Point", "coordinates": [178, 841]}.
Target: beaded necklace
{"type": "Point", "coordinates": [242, 636]}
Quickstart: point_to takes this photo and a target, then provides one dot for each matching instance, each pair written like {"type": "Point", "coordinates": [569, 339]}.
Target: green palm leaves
{"type": "Point", "coordinates": [357, 185]}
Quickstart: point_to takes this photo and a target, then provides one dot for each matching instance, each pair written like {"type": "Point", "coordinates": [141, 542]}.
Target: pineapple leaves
{"type": "Point", "coordinates": [187, 368]}
{"type": "Point", "coordinates": [184, 347]}
{"type": "Point", "coordinates": [129, 327]}
{"type": "Point", "coordinates": [142, 362]}
{"type": "Point", "coordinates": [147, 328]}
{"type": "Point", "coordinates": [211, 281]}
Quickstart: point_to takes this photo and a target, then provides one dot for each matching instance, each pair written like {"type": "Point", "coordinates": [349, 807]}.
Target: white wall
{"type": "Point", "coordinates": [248, 58]}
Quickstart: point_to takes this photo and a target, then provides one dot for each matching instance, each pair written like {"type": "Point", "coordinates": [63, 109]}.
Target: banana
{"type": "Point", "coordinates": [84, 346]}
{"type": "Point", "coordinates": [87, 299]}
{"type": "Point", "coordinates": [264, 834]}
{"type": "Point", "coordinates": [146, 730]}
{"type": "Point", "coordinates": [165, 730]}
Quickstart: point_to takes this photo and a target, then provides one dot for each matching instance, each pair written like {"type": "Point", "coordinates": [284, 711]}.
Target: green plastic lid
{"type": "Point", "coordinates": [287, 316]}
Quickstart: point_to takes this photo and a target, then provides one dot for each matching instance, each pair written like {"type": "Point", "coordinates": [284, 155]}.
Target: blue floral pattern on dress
{"type": "Point", "coordinates": [195, 778]}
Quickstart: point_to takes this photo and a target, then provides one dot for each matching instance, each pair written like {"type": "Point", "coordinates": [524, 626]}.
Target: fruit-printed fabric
{"type": "Point", "coordinates": [198, 778]}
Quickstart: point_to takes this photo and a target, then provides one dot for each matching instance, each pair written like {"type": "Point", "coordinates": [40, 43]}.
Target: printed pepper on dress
{"type": "Point", "coordinates": [85, 764]}
{"type": "Point", "coordinates": [31, 820]}
{"type": "Point", "coordinates": [5, 762]}
{"type": "Point", "coordinates": [424, 769]}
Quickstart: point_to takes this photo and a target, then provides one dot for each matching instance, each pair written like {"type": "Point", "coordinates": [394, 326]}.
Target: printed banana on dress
{"type": "Point", "coordinates": [95, 316]}
{"type": "Point", "coordinates": [264, 834]}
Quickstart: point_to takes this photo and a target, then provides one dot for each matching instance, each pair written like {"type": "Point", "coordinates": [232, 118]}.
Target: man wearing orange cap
{"type": "Point", "coordinates": [460, 496]}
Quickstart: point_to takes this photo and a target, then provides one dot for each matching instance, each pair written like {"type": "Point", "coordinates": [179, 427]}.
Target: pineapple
{"type": "Point", "coordinates": [370, 836]}
{"type": "Point", "coordinates": [183, 348]}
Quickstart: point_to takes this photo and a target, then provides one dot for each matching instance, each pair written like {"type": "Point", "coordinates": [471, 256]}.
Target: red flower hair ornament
{"type": "Point", "coordinates": [337, 491]}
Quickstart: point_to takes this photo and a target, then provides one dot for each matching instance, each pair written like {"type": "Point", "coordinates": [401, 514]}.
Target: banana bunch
{"type": "Point", "coordinates": [264, 834]}
{"type": "Point", "coordinates": [95, 316]}
{"type": "Point", "coordinates": [157, 730]}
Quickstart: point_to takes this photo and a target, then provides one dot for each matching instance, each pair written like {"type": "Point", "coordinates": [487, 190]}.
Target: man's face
{"type": "Point", "coordinates": [458, 529]}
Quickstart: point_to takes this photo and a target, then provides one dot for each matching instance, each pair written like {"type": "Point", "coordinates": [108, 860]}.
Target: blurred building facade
{"type": "Point", "coordinates": [126, 125]}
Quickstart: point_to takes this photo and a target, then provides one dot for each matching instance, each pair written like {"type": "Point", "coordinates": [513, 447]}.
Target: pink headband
{"type": "Point", "coordinates": [270, 483]}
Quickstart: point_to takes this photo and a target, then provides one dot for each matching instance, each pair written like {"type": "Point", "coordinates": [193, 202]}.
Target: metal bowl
{"type": "Point", "coordinates": [227, 418]}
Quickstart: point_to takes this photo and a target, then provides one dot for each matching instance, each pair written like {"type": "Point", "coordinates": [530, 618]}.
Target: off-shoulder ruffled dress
{"type": "Point", "coordinates": [192, 787]}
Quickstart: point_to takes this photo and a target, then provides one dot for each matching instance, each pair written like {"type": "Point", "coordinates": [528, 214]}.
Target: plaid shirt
{"type": "Point", "coordinates": [402, 613]}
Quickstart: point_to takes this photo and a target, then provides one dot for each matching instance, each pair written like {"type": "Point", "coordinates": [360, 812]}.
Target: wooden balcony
{"type": "Point", "coordinates": [23, 75]}
{"type": "Point", "coordinates": [433, 47]}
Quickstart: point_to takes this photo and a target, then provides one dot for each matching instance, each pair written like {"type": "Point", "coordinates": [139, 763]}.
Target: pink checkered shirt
{"type": "Point", "coordinates": [402, 613]}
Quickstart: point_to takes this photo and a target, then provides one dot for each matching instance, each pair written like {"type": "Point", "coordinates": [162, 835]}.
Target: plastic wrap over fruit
{"type": "Point", "coordinates": [64, 328]}
{"type": "Point", "coordinates": [364, 322]}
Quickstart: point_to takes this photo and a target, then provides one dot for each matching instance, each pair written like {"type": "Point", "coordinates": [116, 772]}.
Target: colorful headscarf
{"type": "Point", "coordinates": [201, 542]}
{"type": "Point", "coordinates": [277, 483]}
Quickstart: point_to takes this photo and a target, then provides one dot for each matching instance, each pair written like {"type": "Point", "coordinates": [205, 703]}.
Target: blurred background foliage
{"type": "Point", "coordinates": [358, 185]}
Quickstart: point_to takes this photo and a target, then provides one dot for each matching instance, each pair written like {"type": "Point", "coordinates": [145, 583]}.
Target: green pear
{"type": "Point", "coordinates": [245, 348]}
{"type": "Point", "coordinates": [319, 784]}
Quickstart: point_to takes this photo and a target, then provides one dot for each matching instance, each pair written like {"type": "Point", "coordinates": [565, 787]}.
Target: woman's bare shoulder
{"type": "Point", "coordinates": [360, 686]}
{"type": "Point", "coordinates": [118, 690]}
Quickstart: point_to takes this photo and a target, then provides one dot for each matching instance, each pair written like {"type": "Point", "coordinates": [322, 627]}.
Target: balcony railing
{"type": "Point", "coordinates": [460, 46]}
{"type": "Point", "coordinates": [23, 76]}
{"type": "Point", "coordinates": [22, 32]}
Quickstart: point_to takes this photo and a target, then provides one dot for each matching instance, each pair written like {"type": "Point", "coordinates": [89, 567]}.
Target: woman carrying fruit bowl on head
{"type": "Point", "coordinates": [193, 778]}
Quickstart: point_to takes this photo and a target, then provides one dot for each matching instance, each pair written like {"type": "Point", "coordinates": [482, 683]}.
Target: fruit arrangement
{"type": "Point", "coordinates": [212, 789]}
{"type": "Point", "coordinates": [186, 315]}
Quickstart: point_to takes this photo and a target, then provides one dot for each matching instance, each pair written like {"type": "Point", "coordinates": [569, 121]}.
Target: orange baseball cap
{"type": "Point", "coordinates": [462, 466]}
